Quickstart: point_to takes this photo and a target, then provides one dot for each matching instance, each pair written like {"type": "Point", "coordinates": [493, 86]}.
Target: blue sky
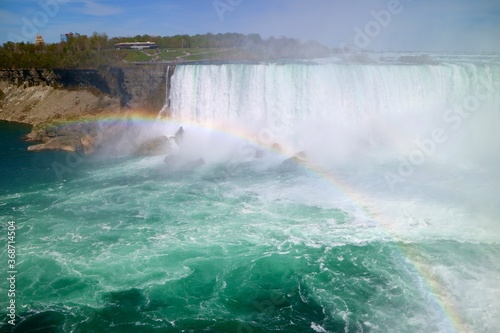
{"type": "Point", "coordinates": [402, 25]}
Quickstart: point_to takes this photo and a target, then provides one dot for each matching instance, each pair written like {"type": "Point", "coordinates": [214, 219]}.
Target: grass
{"type": "Point", "coordinates": [136, 56]}
{"type": "Point", "coordinates": [215, 54]}
{"type": "Point", "coordinates": [159, 55]}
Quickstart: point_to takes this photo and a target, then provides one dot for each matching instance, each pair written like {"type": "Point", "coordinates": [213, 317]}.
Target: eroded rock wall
{"type": "Point", "coordinates": [141, 86]}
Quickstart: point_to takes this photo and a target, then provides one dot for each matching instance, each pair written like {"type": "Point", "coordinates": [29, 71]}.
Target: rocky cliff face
{"type": "Point", "coordinates": [56, 78]}
{"type": "Point", "coordinates": [138, 86]}
{"type": "Point", "coordinates": [43, 104]}
{"type": "Point", "coordinates": [43, 97]}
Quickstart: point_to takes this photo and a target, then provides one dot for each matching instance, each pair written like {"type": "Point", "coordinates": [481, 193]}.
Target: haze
{"type": "Point", "coordinates": [449, 25]}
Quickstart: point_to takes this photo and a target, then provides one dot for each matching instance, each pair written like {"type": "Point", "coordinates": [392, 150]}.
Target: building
{"type": "Point", "coordinates": [136, 45]}
{"type": "Point", "coordinates": [66, 37]}
{"type": "Point", "coordinates": [39, 40]}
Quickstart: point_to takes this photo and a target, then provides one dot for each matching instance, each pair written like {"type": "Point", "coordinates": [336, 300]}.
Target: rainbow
{"type": "Point", "coordinates": [423, 274]}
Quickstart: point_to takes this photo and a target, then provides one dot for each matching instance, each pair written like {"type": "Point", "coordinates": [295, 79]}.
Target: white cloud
{"type": "Point", "coordinates": [7, 17]}
{"type": "Point", "coordinates": [93, 8]}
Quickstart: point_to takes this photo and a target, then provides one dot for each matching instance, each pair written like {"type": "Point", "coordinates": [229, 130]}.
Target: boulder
{"type": "Point", "coordinates": [170, 160]}
{"type": "Point", "coordinates": [59, 143]}
{"type": "Point", "coordinates": [299, 158]}
{"type": "Point", "coordinates": [179, 135]}
{"type": "Point", "coordinates": [155, 146]}
{"type": "Point", "coordinates": [89, 143]}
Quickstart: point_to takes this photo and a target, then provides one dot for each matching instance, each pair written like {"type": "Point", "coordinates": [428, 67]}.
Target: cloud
{"type": "Point", "coordinates": [93, 8]}
{"type": "Point", "coordinates": [7, 17]}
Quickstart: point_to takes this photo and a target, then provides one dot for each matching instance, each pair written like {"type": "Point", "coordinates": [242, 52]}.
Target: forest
{"type": "Point", "coordinates": [82, 51]}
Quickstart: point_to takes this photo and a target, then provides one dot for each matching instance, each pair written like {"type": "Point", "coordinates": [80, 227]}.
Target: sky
{"type": "Point", "coordinates": [382, 25]}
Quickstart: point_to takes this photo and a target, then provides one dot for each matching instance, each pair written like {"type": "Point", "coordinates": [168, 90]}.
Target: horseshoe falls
{"type": "Point", "coordinates": [303, 197]}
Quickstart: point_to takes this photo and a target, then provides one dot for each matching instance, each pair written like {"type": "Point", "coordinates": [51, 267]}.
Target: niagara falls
{"type": "Point", "coordinates": [327, 168]}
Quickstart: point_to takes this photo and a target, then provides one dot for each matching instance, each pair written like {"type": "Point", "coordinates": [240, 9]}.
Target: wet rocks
{"type": "Point", "coordinates": [179, 135]}
{"type": "Point", "coordinates": [155, 146]}
{"type": "Point", "coordinates": [84, 137]}
{"type": "Point", "coordinates": [297, 159]}
{"type": "Point", "coordinates": [60, 143]}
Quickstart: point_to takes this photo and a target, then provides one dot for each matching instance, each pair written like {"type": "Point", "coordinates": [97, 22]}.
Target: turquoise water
{"type": "Point", "coordinates": [247, 243]}
{"type": "Point", "coordinates": [127, 246]}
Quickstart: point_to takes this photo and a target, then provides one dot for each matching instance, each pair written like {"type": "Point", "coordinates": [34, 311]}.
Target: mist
{"type": "Point", "coordinates": [337, 113]}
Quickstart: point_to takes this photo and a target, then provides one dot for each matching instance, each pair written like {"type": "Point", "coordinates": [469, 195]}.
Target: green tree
{"type": "Point", "coordinates": [98, 41]}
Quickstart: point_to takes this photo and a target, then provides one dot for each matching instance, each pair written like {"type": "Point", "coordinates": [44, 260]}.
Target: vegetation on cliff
{"type": "Point", "coordinates": [82, 51]}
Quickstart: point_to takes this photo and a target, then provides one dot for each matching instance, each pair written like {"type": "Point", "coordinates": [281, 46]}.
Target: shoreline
{"type": "Point", "coordinates": [41, 106]}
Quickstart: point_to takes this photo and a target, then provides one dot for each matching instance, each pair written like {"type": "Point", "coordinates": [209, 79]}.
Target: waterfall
{"type": "Point", "coordinates": [165, 111]}
{"type": "Point", "coordinates": [344, 108]}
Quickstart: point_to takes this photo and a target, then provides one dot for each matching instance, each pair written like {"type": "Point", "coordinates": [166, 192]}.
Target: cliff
{"type": "Point", "coordinates": [43, 97]}
{"type": "Point", "coordinates": [140, 86]}
{"type": "Point", "coordinates": [40, 104]}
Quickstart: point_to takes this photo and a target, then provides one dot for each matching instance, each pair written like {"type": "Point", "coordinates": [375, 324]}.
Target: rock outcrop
{"type": "Point", "coordinates": [155, 146]}
{"type": "Point", "coordinates": [294, 161]}
{"type": "Point", "coordinates": [140, 86]}
{"type": "Point", "coordinates": [43, 97]}
{"type": "Point", "coordinates": [85, 137]}
{"type": "Point", "coordinates": [38, 105]}
{"type": "Point", "coordinates": [179, 136]}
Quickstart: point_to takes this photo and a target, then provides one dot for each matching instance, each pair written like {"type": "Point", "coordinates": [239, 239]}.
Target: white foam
{"type": "Point", "coordinates": [339, 112]}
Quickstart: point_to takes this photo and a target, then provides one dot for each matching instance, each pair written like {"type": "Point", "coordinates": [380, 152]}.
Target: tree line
{"type": "Point", "coordinates": [97, 50]}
